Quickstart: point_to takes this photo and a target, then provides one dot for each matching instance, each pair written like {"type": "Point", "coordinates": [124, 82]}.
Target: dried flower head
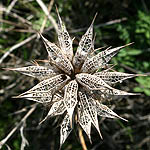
{"type": "Point", "coordinates": [71, 83]}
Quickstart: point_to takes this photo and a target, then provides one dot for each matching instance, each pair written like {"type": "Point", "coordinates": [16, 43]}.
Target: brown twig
{"type": "Point", "coordinates": [145, 140]}
{"type": "Point", "coordinates": [82, 139]}
{"type": "Point", "coordinates": [24, 109]}
{"type": "Point", "coordinates": [99, 25]}
{"type": "Point", "coordinates": [25, 22]}
{"type": "Point", "coordinates": [144, 6]}
{"type": "Point", "coordinates": [23, 30]}
{"type": "Point", "coordinates": [10, 23]}
{"type": "Point", "coordinates": [129, 68]}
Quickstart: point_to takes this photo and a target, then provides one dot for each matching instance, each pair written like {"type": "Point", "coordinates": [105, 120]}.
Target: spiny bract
{"type": "Point", "coordinates": [72, 85]}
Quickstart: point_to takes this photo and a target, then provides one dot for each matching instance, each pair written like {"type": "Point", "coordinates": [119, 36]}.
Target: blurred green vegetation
{"type": "Point", "coordinates": [78, 14]}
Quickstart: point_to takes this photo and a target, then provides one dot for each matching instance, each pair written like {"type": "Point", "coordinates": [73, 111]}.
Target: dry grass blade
{"type": "Point", "coordinates": [17, 46]}
{"type": "Point", "coordinates": [45, 10]}
{"type": "Point", "coordinates": [11, 6]}
{"type": "Point", "coordinates": [46, 17]}
{"type": "Point", "coordinates": [2, 142]}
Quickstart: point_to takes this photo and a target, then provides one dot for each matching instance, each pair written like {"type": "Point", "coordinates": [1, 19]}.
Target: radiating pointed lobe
{"type": "Point", "coordinates": [100, 60]}
{"type": "Point", "coordinates": [64, 39]}
{"type": "Point", "coordinates": [84, 48]}
{"type": "Point", "coordinates": [87, 106]}
{"type": "Point", "coordinates": [39, 72]}
{"type": "Point", "coordinates": [58, 57]}
{"type": "Point", "coordinates": [70, 97]}
{"type": "Point", "coordinates": [84, 120]}
{"type": "Point", "coordinates": [91, 82]}
{"type": "Point", "coordinates": [65, 129]}
{"type": "Point", "coordinates": [53, 84]}
{"type": "Point", "coordinates": [114, 77]}
{"type": "Point", "coordinates": [46, 88]}
{"type": "Point", "coordinates": [104, 111]}
{"type": "Point", "coordinates": [116, 92]}
{"type": "Point", "coordinates": [93, 114]}
{"type": "Point", "coordinates": [40, 97]}
{"type": "Point", "coordinates": [58, 107]}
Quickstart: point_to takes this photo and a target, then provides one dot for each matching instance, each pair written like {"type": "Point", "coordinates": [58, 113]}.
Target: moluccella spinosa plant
{"type": "Point", "coordinates": [76, 85]}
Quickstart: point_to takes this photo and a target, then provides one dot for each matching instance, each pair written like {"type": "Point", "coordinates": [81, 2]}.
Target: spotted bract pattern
{"type": "Point", "coordinates": [72, 85]}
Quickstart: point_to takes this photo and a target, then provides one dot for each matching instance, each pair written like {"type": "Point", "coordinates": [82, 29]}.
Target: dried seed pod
{"type": "Point", "coordinates": [71, 84]}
